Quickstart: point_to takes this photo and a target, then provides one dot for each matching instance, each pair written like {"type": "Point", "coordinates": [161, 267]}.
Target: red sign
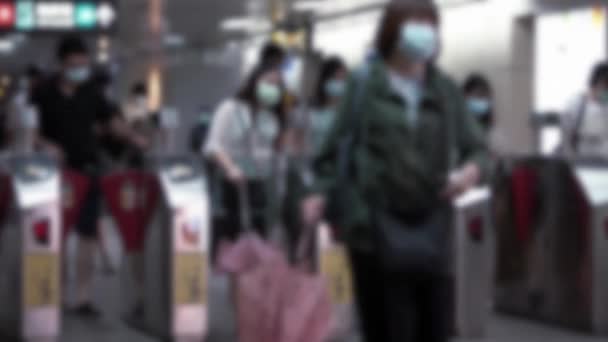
{"type": "Point", "coordinates": [7, 15]}
{"type": "Point", "coordinates": [41, 232]}
{"type": "Point", "coordinates": [191, 231]}
{"type": "Point", "coordinates": [523, 186]}
{"type": "Point", "coordinates": [476, 229]}
{"type": "Point", "coordinates": [131, 198]}
{"type": "Point", "coordinates": [75, 189]}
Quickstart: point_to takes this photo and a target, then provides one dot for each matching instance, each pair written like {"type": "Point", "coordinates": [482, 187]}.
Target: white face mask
{"type": "Point", "coordinates": [268, 94]}
{"type": "Point", "coordinates": [78, 75]}
{"type": "Point", "coordinates": [419, 41]}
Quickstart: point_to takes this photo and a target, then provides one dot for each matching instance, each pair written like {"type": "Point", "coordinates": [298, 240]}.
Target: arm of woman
{"type": "Point", "coordinates": [216, 145]}
{"type": "Point", "coordinates": [472, 148]}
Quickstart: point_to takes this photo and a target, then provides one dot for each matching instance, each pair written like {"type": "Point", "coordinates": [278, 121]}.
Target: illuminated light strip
{"type": "Point", "coordinates": [106, 15]}
{"type": "Point", "coordinates": [56, 15]}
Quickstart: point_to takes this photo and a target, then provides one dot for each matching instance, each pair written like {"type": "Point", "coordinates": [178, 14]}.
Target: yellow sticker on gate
{"type": "Point", "coordinates": [190, 279]}
{"type": "Point", "coordinates": [41, 280]}
{"type": "Point", "coordinates": [335, 266]}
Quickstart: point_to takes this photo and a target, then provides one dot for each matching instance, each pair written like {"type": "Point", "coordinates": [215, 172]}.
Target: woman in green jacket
{"type": "Point", "coordinates": [417, 148]}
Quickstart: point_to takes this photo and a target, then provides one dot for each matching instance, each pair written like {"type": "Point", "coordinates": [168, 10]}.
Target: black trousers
{"type": "Point", "coordinates": [257, 201]}
{"type": "Point", "coordinates": [400, 307]}
{"type": "Point", "coordinates": [88, 219]}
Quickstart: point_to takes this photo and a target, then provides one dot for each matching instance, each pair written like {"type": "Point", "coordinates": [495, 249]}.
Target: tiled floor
{"type": "Point", "coordinates": [111, 328]}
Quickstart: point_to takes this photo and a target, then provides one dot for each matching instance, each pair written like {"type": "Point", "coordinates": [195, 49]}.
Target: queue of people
{"type": "Point", "coordinates": [379, 152]}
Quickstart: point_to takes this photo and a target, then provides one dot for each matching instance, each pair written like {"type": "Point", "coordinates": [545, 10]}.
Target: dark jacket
{"type": "Point", "coordinates": [399, 168]}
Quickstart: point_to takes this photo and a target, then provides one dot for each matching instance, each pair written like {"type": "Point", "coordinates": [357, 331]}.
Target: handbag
{"type": "Point", "coordinates": [410, 247]}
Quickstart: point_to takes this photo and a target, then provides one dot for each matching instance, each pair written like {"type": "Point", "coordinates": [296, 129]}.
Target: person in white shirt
{"type": "Point", "coordinates": [243, 142]}
{"type": "Point", "coordinates": [585, 122]}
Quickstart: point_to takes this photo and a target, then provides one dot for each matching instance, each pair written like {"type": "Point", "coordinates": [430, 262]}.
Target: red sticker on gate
{"type": "Point", "coordinates": [131, 198]}
{"type": "Point", "coordinates": [476, 228]}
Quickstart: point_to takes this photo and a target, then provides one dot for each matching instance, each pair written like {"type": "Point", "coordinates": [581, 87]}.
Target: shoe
{"type": "Point", "coordinates": [86, 310]}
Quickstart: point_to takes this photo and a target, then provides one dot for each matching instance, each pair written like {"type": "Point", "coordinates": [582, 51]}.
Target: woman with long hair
{"type": "Point", "coordinates": [243, 142]}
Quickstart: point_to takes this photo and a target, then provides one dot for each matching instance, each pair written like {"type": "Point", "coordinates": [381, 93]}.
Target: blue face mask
{"type": "Point", "coordinates": [419, 41]}
{"type": "Point", "coordinates": [268, 94]}
{"type": "Point", "coordinates": [478, 106]}
{"type": "Point", "coordinates": [335, 88]}
{"type": "Point", "coordinates": [604, 97]}
{"type": "Point", "coordinates": [78, 75]}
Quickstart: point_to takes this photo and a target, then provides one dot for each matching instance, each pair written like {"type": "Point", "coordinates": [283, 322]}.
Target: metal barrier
{"type": "Point", "coordinates": [553, 244]}
{"type": "Point", "coordinates": [30, 245]}
{"type": "Point", "coordinates": [173, 239]}
{"type": "Point", "coordinates": [473, 257]}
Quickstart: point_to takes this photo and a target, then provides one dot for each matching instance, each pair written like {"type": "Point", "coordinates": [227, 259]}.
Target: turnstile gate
{"type": "Point", "coordinates": [473, 260]}
{"type": "Point", "coordinates": [30, 244]}
{"type": "Point", "coordinates": [176, 254]}
{"type": "Point", "coordinates": [594, 183]}
{"type": "Point", "coordinates": [553, 244]}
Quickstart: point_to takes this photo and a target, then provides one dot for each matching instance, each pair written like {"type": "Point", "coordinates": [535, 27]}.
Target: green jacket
{"type": "Point", "coordinates": [399, 168]}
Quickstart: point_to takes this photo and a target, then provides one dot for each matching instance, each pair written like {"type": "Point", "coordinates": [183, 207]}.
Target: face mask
{"type": "Point", "coordinates": [604, 97]}
{"type": "Point", "coordinates": [141, 101]}
{"type": "Point", "coordinates": [78, 75]}
{"type": "Point", "coordinates": [335, 88]}
{"type": "Point", "coordinates": [419, 41]}
{"type": "Point", "coordinates": [268, 94]}
{"type": "Point", "coordinates": [478, 106]}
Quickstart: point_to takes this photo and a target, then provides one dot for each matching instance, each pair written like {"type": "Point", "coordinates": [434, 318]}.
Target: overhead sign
{"type": "Point", "coordinates": [58, 15]}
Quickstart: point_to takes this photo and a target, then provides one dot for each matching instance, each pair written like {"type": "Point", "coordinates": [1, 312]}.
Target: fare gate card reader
{"type": "Point", "coordinates": [176, 253]}
{"type": "Point", "coordinates": [30, 247]}
{"type": "Point", "coordinates": [473, 255]}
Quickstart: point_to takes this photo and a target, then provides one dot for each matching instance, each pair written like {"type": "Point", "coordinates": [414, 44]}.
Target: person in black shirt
{"type": "Point", "coordinates": [74, 117]}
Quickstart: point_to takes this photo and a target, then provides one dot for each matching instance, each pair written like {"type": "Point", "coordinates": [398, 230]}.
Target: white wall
{"type": "Point", "coordinates": [350, 38]}
{"type": "Point", "coordinates": [568, 45]}
{"type": "Point", "coordinates": [482, 38]}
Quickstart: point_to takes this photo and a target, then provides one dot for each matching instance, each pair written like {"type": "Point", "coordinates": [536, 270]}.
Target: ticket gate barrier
{"type": "Point", "coordinates": [334, 264]}
{"type": "Point", "coordinates": [473, 260]}
{"type": "Point", "coordinates": [30, 245]}
{"type": "Point", "coordinates": [593, 181]}
{"type": "Point", "coordinates": [176, 254]}
{"type": "Point", "coordinates": [552, 244]}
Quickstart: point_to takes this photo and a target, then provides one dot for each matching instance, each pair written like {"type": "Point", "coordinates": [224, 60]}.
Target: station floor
{"type": "Point", "coordinates": [111, 328]}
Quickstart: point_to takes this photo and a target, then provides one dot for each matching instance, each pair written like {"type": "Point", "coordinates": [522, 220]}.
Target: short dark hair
{"type": "Point", "coordinates": [272, 54]}
{"type": "Point", "coordinates": [394, 15]}
{"type": "Point", "coordinates": [476, 81]}
{"type": "Point", "coordinates": [71, 45]}
{"type": "Point", "coordinates": [599, 74]}
{"type": "Point", "coordinates": [329, 68]}
{"type": "Point", "coordinates": [139, 88]}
